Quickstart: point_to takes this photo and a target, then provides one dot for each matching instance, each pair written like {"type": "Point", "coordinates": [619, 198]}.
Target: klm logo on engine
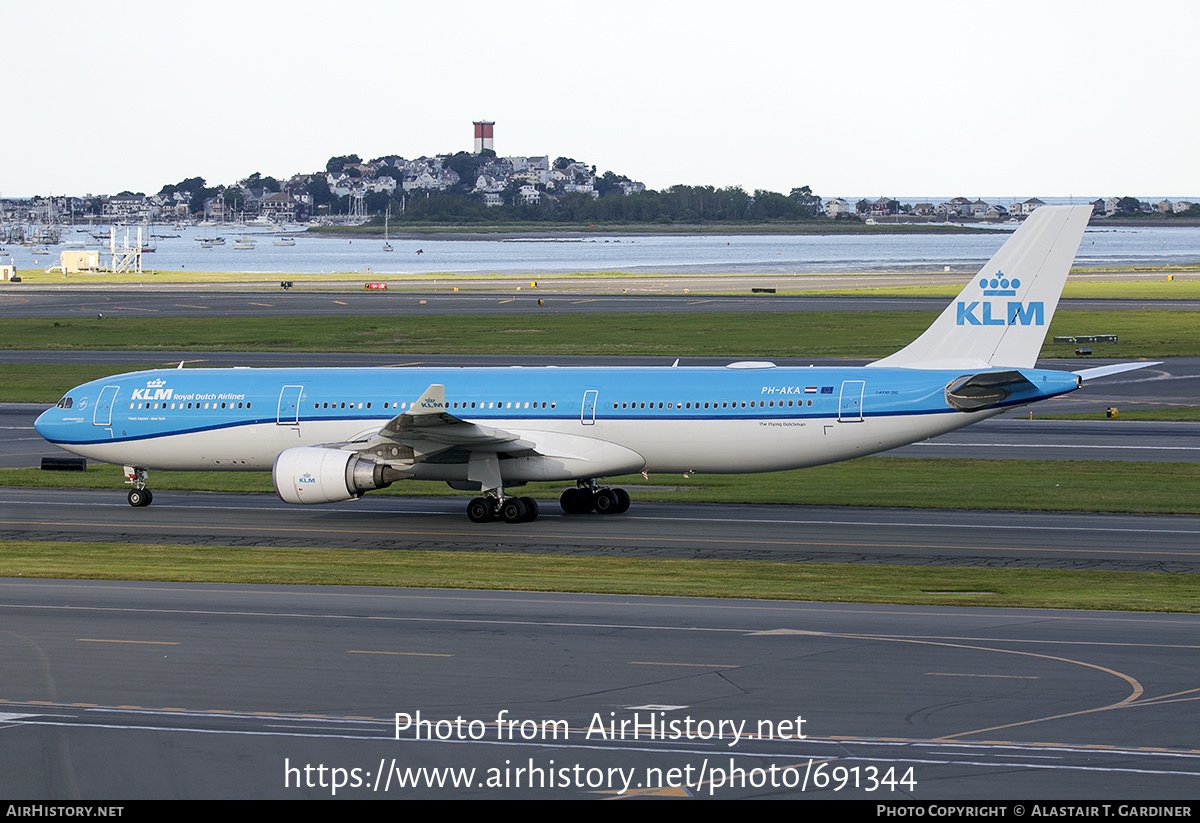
{"type": "Point", "coordinates": [996, 313]}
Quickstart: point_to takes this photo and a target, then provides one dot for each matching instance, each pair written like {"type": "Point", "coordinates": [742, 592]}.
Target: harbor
{"type": "Point", "coordinates": [254, 251]}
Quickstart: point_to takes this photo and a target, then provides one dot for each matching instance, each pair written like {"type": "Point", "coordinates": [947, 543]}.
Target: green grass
{"type": "Point", "coordinates": [752, 334]}
{"type": "Point", "coordinates": [1048, 485]}
{"type": "Point", "coordinates": [547, 332]}
{"type": "Point", "coordinates": [39, 383]}
{"type": "Point", "coordinates": [1168, 414]}
{"type": "Point", "coordinates": [829, 582]}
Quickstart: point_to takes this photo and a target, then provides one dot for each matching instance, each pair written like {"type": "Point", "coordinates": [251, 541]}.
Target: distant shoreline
{"type": "Point", "coordinates": [575, 232]}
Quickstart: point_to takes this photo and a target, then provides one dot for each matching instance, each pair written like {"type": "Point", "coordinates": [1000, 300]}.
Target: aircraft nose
{"type": "Point", "coordinates": [48, 424]}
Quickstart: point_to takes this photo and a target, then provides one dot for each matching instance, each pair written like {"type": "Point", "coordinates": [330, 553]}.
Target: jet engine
{"type": "Point", "coordinates": [309, 474]}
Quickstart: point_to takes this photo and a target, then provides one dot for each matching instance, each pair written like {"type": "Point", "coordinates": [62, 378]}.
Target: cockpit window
{"type": "Point", "coordinates": [66, 402]}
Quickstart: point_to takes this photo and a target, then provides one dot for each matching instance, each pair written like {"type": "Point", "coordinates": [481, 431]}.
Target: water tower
{"type": "Point", "coordinates": [483, 135]}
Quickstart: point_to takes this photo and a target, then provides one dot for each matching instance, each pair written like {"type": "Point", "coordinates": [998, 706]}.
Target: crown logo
{"type": "Point", "coordinates": [999, 285]}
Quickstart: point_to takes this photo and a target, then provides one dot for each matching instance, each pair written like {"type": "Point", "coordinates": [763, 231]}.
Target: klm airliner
{"type": "Point", "coordinates": [329, 435]}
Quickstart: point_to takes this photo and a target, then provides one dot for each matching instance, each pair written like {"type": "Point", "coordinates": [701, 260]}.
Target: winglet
{"type": "Point", "coordinates": [1000, 318]}
{"type": "Point", "coordinates": [433, 401]}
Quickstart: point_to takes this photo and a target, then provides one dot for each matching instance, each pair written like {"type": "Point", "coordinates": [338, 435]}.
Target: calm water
{"type": "Point", "coordinates": [659, 254]}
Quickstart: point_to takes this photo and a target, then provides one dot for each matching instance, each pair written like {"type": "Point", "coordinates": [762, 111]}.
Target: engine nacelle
{"type": "Point", "coordinates": [308, 474]}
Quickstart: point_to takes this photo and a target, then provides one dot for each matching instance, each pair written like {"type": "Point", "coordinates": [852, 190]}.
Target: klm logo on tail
{"type": "Point", "coordinates": [1014, 313]}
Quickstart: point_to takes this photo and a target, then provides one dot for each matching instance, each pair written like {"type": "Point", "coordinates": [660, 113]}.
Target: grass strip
{"type": "Point", "coordinates": [1144, 333]}
{"type": "Point", "coordinates": [545, 333]}
{"type": "Point", "coordinates": [900, 482]}
{"type": "Point", "coordinates": [1178, 414]}
{"type": "Point", "coordinates": [46, 383]}
{"type": "Point", "coordinates": [828, 582]}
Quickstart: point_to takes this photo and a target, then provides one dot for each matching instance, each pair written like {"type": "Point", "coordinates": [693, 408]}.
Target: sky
{"type": "Point", "coordinates": [1053, 98]}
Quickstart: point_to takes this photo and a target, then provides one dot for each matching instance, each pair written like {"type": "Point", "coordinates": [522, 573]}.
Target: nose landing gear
{"type": "Point", "coordinates": [139, 495]}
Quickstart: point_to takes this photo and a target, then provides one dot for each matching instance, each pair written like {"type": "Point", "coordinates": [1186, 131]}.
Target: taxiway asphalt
{"type": "Point", "coordinates": [115, 690]}
{"type": "Point", "coordinates": [933, 537]}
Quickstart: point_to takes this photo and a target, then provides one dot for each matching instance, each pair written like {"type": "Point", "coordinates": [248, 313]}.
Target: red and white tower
{"type": "Point", "coordinates": [483, 135]}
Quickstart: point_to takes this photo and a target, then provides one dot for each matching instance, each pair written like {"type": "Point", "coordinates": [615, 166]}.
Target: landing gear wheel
{"type": "Point", "coordinates": [514, 510]}
{"type": "Point", "coordinates": [140, 497]}
{"type": "Point", "coordinates": [606, 502]}
{"type": "Point", "coordinates": [479, 510]}
{"type": "Point", "coordinates": [570, 502]}
{"type": "Point", "coordinates": [531, 509]}
{"type": "Point", "coordinates": [587, 500]}
{"type": "Point", "coordinates": [623, 501]}
{"type": "Point", "coordinates": [577, 501]}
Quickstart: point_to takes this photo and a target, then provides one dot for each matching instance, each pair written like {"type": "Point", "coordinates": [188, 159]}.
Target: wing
{"type": "Point", "coordinates": [453, 449]}
{"type": "Point", "coordinates": [426, 429]}
{"type": "Point", "coordinates": [426, 432]}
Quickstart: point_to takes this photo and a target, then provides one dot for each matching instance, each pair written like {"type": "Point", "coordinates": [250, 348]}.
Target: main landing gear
{"type": "Point", "coordinates": [139, 495]}
{"type": "Point", "coordinates": [587, 497]}
{"type": "Point", "coordinates": [509, 509]}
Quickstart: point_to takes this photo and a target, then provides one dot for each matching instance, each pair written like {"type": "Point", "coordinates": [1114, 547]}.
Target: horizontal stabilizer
{"type": "Point", "coordinates": [1115, 368]}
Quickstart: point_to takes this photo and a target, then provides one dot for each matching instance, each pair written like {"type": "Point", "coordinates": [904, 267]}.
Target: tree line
{"type": "Point", "coordinates": [677, 204]}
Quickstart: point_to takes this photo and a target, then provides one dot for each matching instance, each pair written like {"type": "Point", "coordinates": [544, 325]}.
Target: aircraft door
{"type": "Point", "coordinates": [587, 413]}
{"type": "Point", "coordinates": [102, 414]}
{"type": "Point", "coordinates": [850, 405]}
{"type": "Point", "coordinates": [288, 413]}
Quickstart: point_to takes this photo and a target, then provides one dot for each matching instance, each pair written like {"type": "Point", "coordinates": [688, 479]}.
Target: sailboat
{"type": "Point", "coordinates": [387, 213]}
